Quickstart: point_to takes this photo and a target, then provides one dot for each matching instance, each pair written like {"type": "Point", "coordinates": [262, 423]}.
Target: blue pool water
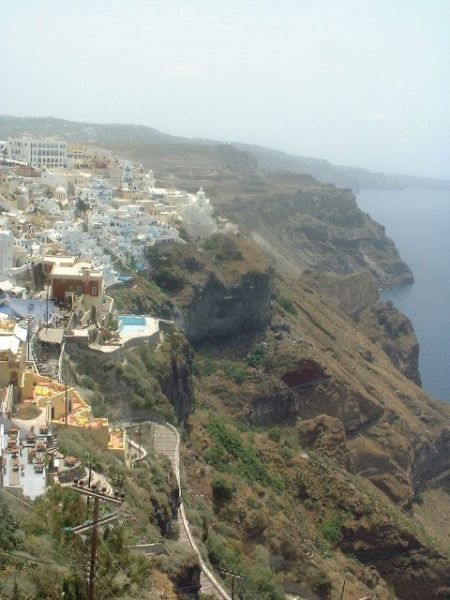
{"type": "Point", "coordinates": [130, 325]}
{"type": "Point", "coordinates": [131, 320]}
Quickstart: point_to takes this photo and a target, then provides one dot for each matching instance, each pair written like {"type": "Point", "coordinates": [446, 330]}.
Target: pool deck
{"type": "Point", "coordinates": [127, 334]}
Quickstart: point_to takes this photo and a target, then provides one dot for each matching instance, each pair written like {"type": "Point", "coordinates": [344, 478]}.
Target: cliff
{"type": "Point", "coordinates": [300, 419]}
{"type": "Point", "coordinates": [357, 296]}
{"type": "Point", "coordinates": [304, 225]}
{"type": "Point", "coordinates": [314, 378]}
{"type": "Point", "coordinates": [218, 290]}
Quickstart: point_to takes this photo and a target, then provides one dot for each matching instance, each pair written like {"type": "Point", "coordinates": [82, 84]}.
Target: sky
{"type": "Point", "coordinates": [358, 82]}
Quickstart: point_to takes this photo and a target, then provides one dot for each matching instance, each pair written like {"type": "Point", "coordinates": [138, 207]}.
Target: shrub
{"type": "Point", "coordinates": [168, 281]}
{"type": "Point", "coordinates": [234, 372]}
{"type": "Point", "coordinates": [220, 554]}
{"type": "Point", "coordinates": [113, 324]}
{"type": "Point", "coordinates": [308, 504]}
{"type": "Point", "coordinates": [204, 368]}
{"type": "Point", "coordinates": [262, 582]}
{"type": "Point", "coordinates": [223, 490]}
{"type": "Point", "coordinates": [322, 586]}
{"type": "Point", "coordinates": [173, 531]}
{"type": "Point", "coordinates": [275, 435]}
{"type": "Point", "coordinates": [418, 498]}
{"type": "Point", "coordinates": [331, 529]}
{"type": "Point", "coordinates": [287, 305]}
{"type": "Point", "coordinates": [87, 382]}
{"type": "Point", "coordinates": [229, 453]}
{"type": "Point", "coordinates": [210, 243]}
{"type": "Point", "coordinates": [256, 356]}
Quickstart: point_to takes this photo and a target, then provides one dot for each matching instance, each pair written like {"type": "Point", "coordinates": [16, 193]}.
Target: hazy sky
{"type": "Point", "coordinates": [363, 82]}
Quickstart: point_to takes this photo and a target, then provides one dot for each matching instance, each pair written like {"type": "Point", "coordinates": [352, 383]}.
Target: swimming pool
{"type": "Point", "coordinates": [131, 320]}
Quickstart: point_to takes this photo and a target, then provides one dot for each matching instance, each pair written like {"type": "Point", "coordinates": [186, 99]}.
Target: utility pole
{"type": "Point", "coordinates": [65, 399]}
{"type": "Point", "coordinates": [343, 588]}
{"type": "Point", "coordinates": [46, 318]}
{"type": "Point", "coordinates": [102, 496]}
{"type": "Point", "coordinates": [140, 438]}
{"type": "Point", "coordinates": [234, 577]}
{"type": "Point", "coordinates": [93, 550]}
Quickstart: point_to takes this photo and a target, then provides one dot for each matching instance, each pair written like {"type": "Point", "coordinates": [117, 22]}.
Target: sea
{"type": "Point", "coordinates": [419, 223]}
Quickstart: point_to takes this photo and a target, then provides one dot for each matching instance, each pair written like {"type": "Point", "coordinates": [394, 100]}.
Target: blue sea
{"type": "Point", "coordinates": [419, 223]}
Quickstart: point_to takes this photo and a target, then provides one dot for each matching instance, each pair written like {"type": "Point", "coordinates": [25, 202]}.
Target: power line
{"type": "Point", "coordinates": [44, 562]}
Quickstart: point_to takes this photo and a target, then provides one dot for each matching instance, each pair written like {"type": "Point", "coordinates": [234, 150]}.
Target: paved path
{"type": "Point", "coordinates": [166, 441]}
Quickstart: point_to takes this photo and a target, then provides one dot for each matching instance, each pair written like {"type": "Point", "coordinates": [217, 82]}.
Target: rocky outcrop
{"type": "Point", "coordinates": [217, 310]}
{"type": "Point", "coordinates": [414, 571]}
{"type": "Point", "coordinates": [393, 331]}
{"type": "Point", "coordinates": [319, 227]}
{"type": "Point", "coordinates": [306, 373]}
{"type": "Point", "coordinates": [271, 403]}
{"type": "Point", "coordinates": [357, 296]}
{"type": "Point", "coordinates": [176, 376]}
{"type": "Point", "coordinates": [326, 435]}
{"type": "Point", "coordinates": [432, 459]}
{"type": "Point", "coordinates": [334, 399]}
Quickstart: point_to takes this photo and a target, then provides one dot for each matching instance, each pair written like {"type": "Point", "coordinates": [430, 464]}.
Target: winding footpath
{"type": "Point", "coordinates": [166, 441]}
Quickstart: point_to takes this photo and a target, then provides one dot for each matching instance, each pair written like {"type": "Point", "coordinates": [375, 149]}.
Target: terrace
{"type": "Point", "coordinates": [65, 407]}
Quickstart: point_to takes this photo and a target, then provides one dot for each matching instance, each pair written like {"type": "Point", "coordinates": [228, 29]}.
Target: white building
{"type": "Point", "coordinates": [38, 152]}
{"type": "Point", "coordinates": [97, 194]}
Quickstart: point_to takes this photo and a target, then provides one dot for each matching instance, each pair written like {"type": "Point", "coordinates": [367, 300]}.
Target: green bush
{"type": "Point", "coordinates": [261, 584]}
{"type": "Point", "coordinates": [229, 453]}
{"type": "Point", "coordinates": [308, 504]}
{"type": "Point", "coordinates": [322, 586]}
{"type": "Point", "coordinates": [256, 356]}
{"type": "Point", "coordinates": [113, 324]}
{"type": "Point", "coordinates": [332, 529]}
{"type": "Point", "coordinates": [418, 498]}
{"type": "Point", "coordinates": [275, 435]}
{"type": "Point", "coordinates": [204, 368]}
{"type": "Point", "coordinates": [220, 554]}
{"type": "Point", "coordinates": [87, 382]}
{"type": "Point", "coordinates": [234, 372]}
{"type": "Point", "coordinates": [223, 490]}
{"type": "Point", "coordinates": [287, 305]}
{"type": "Point", "coordinates": [168, 281]}
{"type": "Point", "coordinates": [210, 243]}
{"type": "Point", "coordinates": [173, 532]}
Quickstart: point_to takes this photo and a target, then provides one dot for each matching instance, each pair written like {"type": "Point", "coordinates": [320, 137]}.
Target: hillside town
{"type": "Point", "coordinates": [73, 217]}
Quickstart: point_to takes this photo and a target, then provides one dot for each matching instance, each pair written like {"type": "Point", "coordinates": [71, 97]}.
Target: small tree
{"type": "Point", "coordinates": [223, 490]}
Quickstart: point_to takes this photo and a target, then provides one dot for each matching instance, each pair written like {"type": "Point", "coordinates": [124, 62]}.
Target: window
{"type": "Point", "coordinates": [94, 291]}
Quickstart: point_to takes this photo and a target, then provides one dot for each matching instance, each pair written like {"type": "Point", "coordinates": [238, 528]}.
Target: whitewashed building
{"type": "Point", "coordinates": [38, 152]}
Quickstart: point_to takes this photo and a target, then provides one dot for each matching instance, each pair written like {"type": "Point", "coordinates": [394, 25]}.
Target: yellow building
{"type": "Point", "coordinates": [12, 351]}
{"type": "Point", "coordinates": [66, 408]}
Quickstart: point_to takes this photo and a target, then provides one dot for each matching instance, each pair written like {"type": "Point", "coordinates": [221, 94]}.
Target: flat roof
{"type": "Point", "coordinates": [51, 335]}
{"type": "Point", "coordinates": [75, 272]}
{"type": "Point", "coordinates": [9, 342]}
{"type": "Point", "coordinates": [58, 260]}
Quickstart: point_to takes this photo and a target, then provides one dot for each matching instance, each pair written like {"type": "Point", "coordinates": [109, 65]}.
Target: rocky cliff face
{"type": "Point", "coordinates": [393, 331]}
{"type": "Point", "coordinates": [176, 376]}
{"type": "Point", "coordinates": [321, 228]}
{"type": "Point", "coordinates": [220, 310]}
{"type": "Point", "coordinates": [218, 291]}
{"type": "Point", "coordinates": [357, 296]}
